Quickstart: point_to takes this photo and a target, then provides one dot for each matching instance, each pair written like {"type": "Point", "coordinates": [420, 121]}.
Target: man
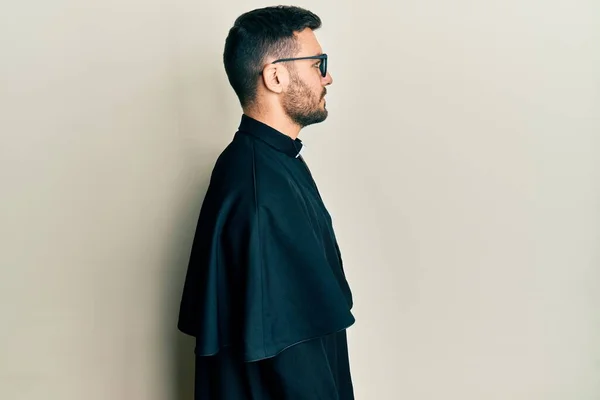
{"type": "Point", "coordinates": [265, 293]}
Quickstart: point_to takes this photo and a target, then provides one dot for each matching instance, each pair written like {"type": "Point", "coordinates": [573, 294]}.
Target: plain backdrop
{"type": "Point", "coordinates": [460, 162]}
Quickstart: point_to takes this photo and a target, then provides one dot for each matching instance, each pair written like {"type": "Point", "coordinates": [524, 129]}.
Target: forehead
{"type": "Point", "coordinates": [309, 45]}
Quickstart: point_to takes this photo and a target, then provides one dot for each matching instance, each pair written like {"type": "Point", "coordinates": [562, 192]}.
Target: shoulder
{"type": "Point", "coordinates": [248, 176]}
{"type": "Point", "coordinates": [247, 164]}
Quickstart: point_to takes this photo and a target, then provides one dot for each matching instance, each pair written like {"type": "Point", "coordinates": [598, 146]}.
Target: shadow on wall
{"type": "Point", "coordinates": [206, 115]}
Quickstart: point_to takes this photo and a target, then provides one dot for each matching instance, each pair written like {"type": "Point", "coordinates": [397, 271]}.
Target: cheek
{"type": "Point", "coordinates": [318, 89]}
{"type": "Point", "coordinates": [314, 83]}
{"type": "Point", "coordinates": [311, 87]}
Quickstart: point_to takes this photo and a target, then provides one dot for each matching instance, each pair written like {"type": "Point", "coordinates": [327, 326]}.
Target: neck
{"type": "Point", "coordinates": [281, 123]}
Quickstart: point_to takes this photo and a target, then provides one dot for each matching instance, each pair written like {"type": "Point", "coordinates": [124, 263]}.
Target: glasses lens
{"type": "Point", "coordinates": [324, 67]}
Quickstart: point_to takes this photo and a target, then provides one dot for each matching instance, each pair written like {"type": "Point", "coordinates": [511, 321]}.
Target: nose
{"type": "Point", "coordinates": [328, 79]}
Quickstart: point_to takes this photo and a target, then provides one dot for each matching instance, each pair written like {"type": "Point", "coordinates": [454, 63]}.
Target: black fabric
{"type": "Point", "coordinates": [317, 369]}
{"type": "Point", "coordinates": [265, 283]}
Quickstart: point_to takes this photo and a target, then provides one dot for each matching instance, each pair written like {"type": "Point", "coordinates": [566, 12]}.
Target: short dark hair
{"type": "Point", "coordinates": [258, 34]}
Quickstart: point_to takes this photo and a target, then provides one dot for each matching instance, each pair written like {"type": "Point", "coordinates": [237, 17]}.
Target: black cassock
{"type": "Point", "coordinates": [265, 293]}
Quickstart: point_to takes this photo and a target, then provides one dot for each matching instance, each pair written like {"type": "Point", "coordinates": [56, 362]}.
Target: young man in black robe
{"type": "Point", "coordinates": [265, 293]}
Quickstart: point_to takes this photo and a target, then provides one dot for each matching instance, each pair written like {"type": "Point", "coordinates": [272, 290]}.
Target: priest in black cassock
{"type": "Point", "coordinates": [265, 293]}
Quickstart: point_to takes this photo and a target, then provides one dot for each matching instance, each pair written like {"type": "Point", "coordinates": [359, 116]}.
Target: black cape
{"type": "Point", "coordinates": [265, 293]}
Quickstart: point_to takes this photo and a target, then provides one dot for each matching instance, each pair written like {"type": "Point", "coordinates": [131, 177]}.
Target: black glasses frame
{"type": "Point", "coordinates": [322, 66]}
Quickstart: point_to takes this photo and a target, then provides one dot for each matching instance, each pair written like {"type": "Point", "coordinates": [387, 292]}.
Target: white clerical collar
{"type": "Point", "coordinates": [301, 149]}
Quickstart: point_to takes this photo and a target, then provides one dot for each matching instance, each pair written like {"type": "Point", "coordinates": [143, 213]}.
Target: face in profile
{"type": "Point", "coordinates": [304, 99]}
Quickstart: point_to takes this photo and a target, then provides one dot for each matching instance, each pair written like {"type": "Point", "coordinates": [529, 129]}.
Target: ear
{"type": "Point", "coordinates": [275, 77]}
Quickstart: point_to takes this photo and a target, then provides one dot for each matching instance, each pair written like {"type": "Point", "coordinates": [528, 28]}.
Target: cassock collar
{"type": "Point", "coordinates": [276, 139]}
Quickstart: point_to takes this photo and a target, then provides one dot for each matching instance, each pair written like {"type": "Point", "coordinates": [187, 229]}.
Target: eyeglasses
{"type": "Point", "coordinates": [322, 65]}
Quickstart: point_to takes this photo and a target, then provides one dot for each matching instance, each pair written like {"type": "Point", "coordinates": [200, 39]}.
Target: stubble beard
{"type": "Point", "coordinates": [301, 104]}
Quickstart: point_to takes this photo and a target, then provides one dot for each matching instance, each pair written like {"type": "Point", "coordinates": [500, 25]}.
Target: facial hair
{"type": "Point", "coordinates": [302, 105]}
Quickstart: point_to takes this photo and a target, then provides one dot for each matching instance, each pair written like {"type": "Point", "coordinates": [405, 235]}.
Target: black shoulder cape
{"type": "Point", "coordinates": [265, 271]}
